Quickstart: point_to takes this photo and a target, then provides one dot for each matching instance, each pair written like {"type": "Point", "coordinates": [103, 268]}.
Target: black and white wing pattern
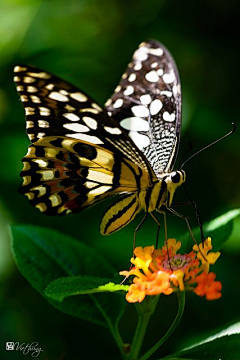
{"type": "Point", "coordinates": [147, 104]}
{"type": "Point", "coordinates": [79, 155]}
{"type": "Point", "coordinates": [54, 107]}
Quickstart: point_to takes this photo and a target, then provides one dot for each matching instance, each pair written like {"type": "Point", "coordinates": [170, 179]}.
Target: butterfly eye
{"type": "Point", "coordinates": [175, 177]}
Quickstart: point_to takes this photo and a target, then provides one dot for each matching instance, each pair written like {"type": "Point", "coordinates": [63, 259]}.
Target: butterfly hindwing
{"type": "Point", "coordinates": [147, 104]}
{"type": "Point", "coordinates": [62, 175]}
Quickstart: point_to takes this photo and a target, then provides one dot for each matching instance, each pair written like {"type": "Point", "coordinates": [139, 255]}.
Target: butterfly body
{"type": "Point", "coordinates": [82, 153]}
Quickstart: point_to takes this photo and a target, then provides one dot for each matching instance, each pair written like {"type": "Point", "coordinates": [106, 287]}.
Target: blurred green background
{"type": "Point", "coordinates": [90, 43]}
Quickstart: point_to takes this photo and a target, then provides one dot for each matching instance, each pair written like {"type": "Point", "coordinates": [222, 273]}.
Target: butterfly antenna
{"type": "Point", "coordinates": [190, 147]}
{"type": "Point", "coordinates": [213, 143]}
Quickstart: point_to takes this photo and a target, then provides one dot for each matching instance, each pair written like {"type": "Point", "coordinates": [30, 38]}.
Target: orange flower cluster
{"type": "Point", "coordinates": [165, 271]}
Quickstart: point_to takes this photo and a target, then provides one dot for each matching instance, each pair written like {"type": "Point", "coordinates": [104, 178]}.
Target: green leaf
{"type": "Point", "coordinates": [224, 348]}
{"type": "Point", "coordinates": [43, 255]}
{"type": "Point", "coordinates": [219, 229]}
{"type": "Point", "coordinates": [76, 285]}
{"type": "Point", "coordinates": [113, 287]}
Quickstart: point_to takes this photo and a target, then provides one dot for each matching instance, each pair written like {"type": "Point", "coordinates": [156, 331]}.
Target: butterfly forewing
{"type": "Point", "coordinates": [147, 104]}
{"type": "Point", "coordinates": [54, 107]}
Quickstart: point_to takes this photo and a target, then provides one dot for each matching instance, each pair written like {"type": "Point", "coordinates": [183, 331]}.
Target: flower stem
{"type": "Point", "coordinates": [113, 328]}
{"type": "Point", "coordinates": [181, 305]}
{"type": "Point", "coordinates": [145, 311]}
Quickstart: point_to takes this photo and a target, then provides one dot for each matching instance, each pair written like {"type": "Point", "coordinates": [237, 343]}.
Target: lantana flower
{"type": "Point", "coordinates": [164, 271]}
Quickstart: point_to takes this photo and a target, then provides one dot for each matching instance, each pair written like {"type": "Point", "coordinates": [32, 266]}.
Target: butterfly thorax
{"type": "Point", "coordinates": [163, 190]}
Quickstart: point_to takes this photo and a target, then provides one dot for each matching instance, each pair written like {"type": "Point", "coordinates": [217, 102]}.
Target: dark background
{"type": "Point", "coordinates": [89, 43]}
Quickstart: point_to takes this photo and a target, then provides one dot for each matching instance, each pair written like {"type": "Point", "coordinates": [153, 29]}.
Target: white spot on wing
{"type": "Point", "coordinates": [55, 199]}
{"type": "Point", "coordinates": [137, 66]}
{"type": "Point", "coordinates": [43, 123]}
{"type": "Point", "coordinates": [96, 107]}
{"type": "Point", "coordinates": [40, 135]}
{"type": "Point", "coordinates": [135, 124]}
{"type": "Point", "coordinates": [176, 89]}
{"type": "Point", "coordinates": [47, 175]}
{"type": "Point", "coordinates": [44, 111]}
{"type": "Point", "coordinates": [108, 102]}
{"type": "Point", "coordinates": [41, 189]}
{"type": "Point", "coordinates": [85, 137]}
{"type": "Point", "coordinates": [31, 89]}
{"type": "Point", "coordinates": [145, 99]}
{"type": "Point", "coordinates": [90, 122]}
{"type": "Point", "coordinates": [166, 92]}
{"type": "Point", "coordinates": [41, 75]}
{"type": "Point", "coordinates": [24, 98]}
{"type": "Point", "coordinates": [168, 117]}
{"type": "Point", "coordinates": [90, 184]}
{"type": "Point", "coordinates": [79, 97]}
{"type": "Point", "coordinates": [140, 111]}
{"type": "Point", "coordinates": [154, 65]}
{"type": "Point", "coordinates": [168, 78]}
{"type": "Point", "coordinates": [71, 116]}
{"type": "Point", "coordinates": [40, 162]}
{"type": "Point", "coordinates": [29, 124]}
{"type": "Point", "coordinates": [64, 92]}
{"type": "Point", "coordinates": [129, 90]}
{"type": "Point", "coordinates": [140, 140]}
{"type": "Point", "coordinates": [57, 96]}
{"type": "Point", "coordinates": [140, 54]}
{"type": "Point", "coordinates": [91, 110]}
{"type": "Point", "coordinates": [69, 108]}
{"type": "Point", "coordinates": [19, 68]}
{"type": "Point", "coordinates": [152, 76]}
{"type": "Point", "coordinates": [118, 88]}
{"type": "Point", "coordinates": [28, 79]}
{"type": "Point", "coordinates": [49, 86]}
{"type": "Point", "coordinates": [76, 127]}
{"type": "Point", "coordinates": [155, 106]}
{"type": "Point", "coordinates": [29, 111]}
{"type": "Point", "coordinates": [118, 103]}
{"type": "Point", "coordinates": [160, 72]}
{"type": "Point", "coordinates": [114, 131]}
{"type": "Point", "coordinates": [35, 99]}
{"type": "Point", "coordinates": [132, 77]}
{"type": "Point", "coordinates": [157, 51]}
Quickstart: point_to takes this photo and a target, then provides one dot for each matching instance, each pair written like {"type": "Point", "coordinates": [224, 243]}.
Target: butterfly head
{"type": "Point", "coordinates": [173, 180]}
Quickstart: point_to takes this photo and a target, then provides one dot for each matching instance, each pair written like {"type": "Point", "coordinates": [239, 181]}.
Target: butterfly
{"type": "Point", "coordinates": [82, 153]}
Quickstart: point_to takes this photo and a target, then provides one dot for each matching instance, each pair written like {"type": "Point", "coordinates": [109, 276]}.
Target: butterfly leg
{"type": "Point", "coordinates": [134, 242]}
{"type": "Point", "coordinates": [174, 212]}
{"type": "Point", "coordinates": [196, 212]}
{"type": "Point", "coordinates": [188, 225]}
{"type": "Point", "coordinates": [158, 228]}
{"type": "Point", "coordinates": [136, 230]}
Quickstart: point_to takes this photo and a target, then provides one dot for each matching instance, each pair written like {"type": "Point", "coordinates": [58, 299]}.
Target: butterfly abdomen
{"type": "Point", "coordinates": [148, 199]}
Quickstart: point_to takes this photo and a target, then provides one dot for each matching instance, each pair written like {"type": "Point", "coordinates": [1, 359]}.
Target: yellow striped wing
{"type": "Point", "coordinates": [63, 175]}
